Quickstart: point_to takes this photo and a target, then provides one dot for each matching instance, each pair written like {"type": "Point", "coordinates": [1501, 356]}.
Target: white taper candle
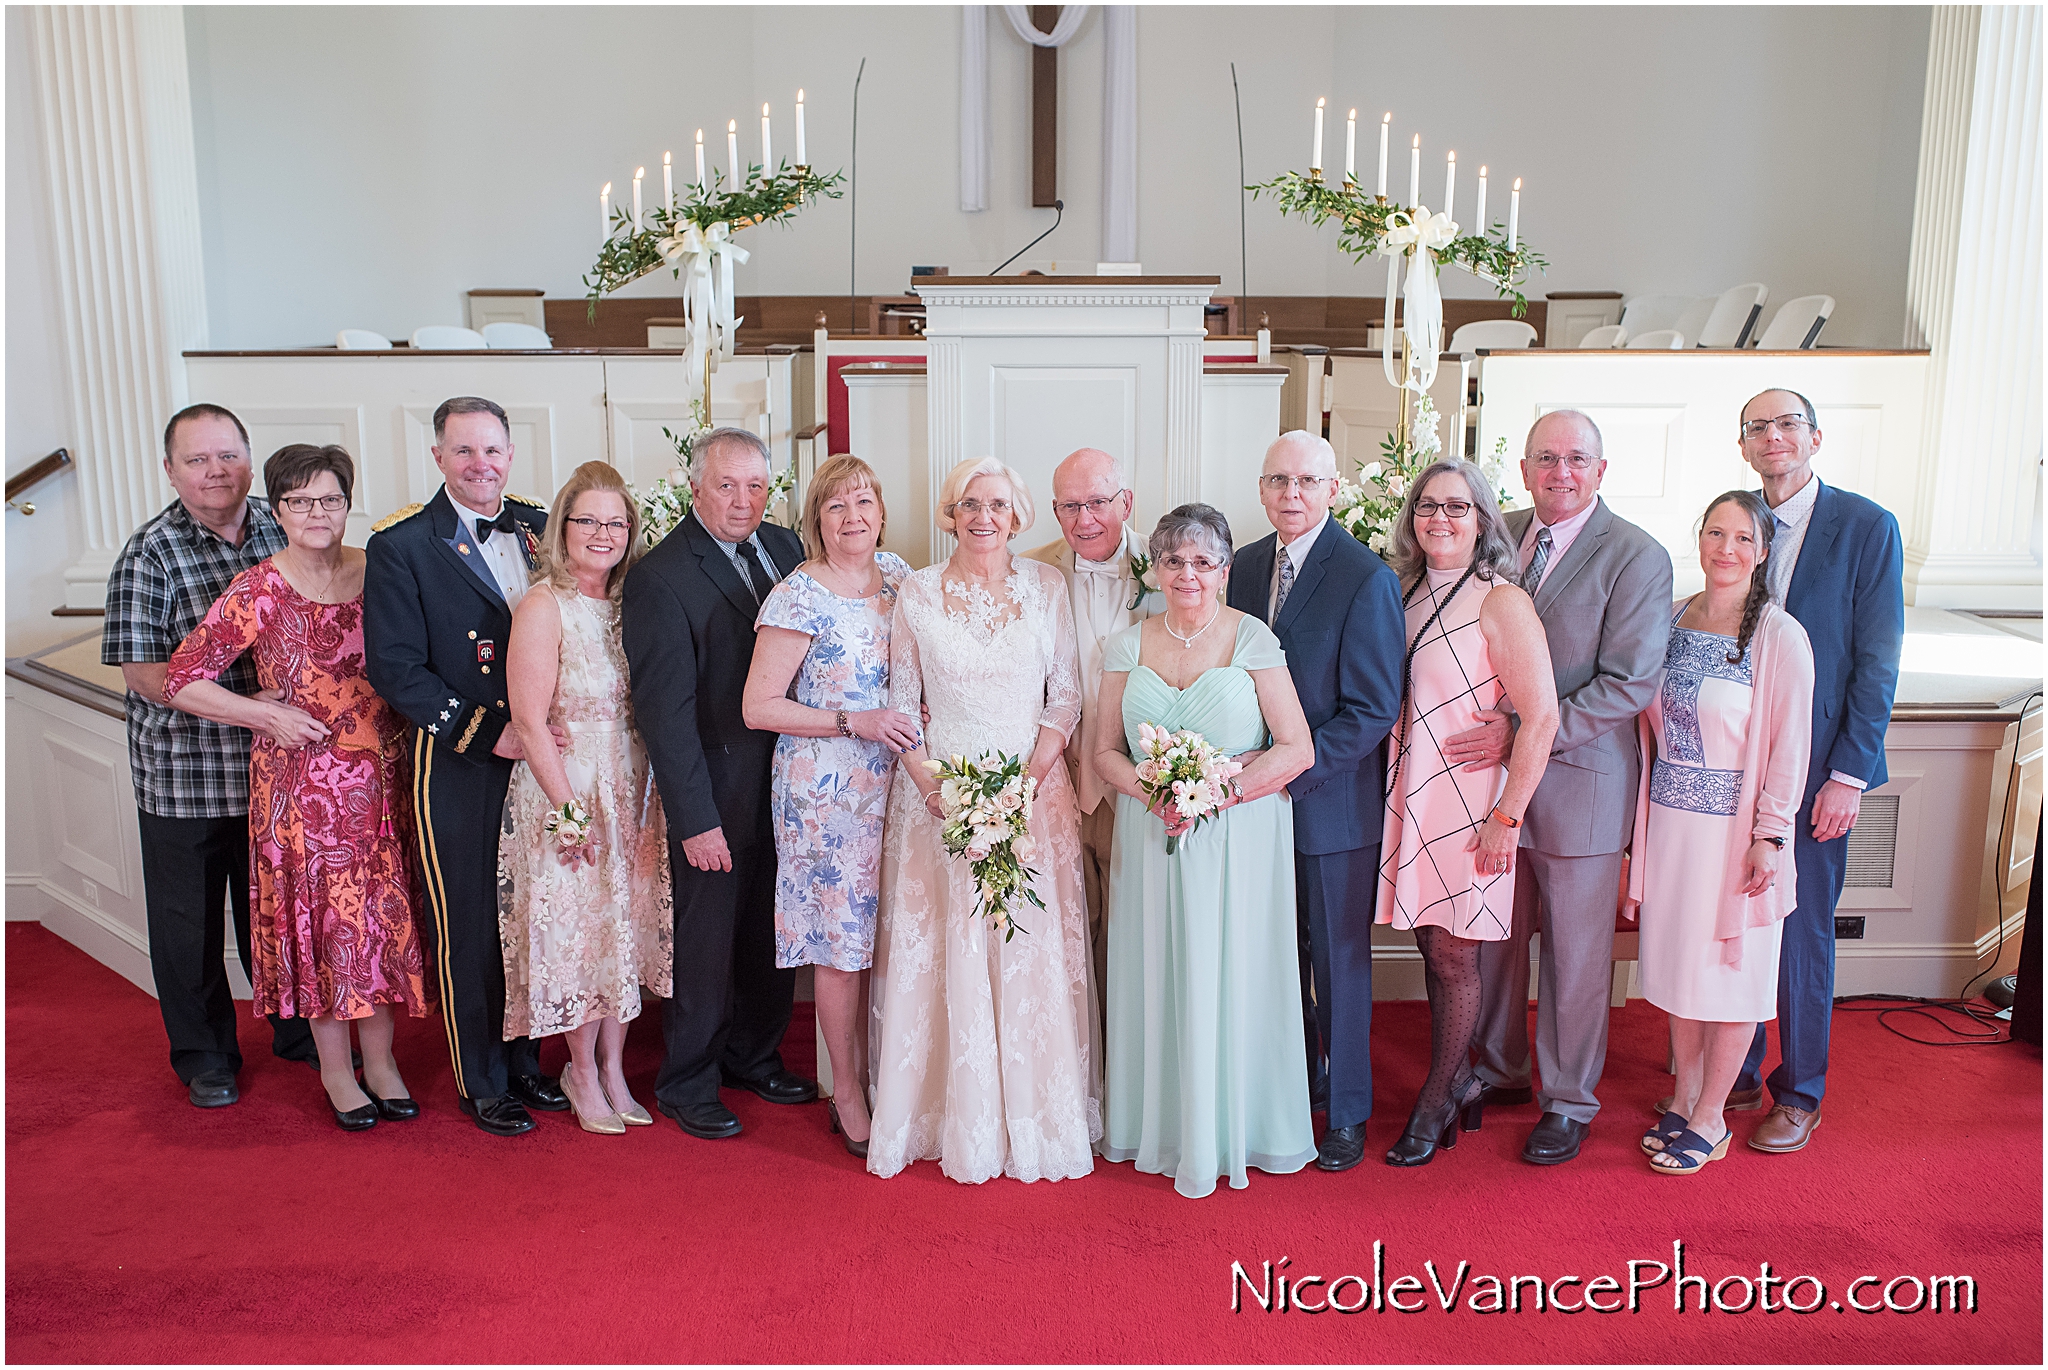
{"type": "Point", "coordinates": [800, 129]}
{"type": "Point", "coordinates": [1450, 180]}
{"type": "Point", "coordinates": [668, 183]}
{"type": "Point", "coordinates": [604, 213]}
{"type": "Point", "coordinates": [1351, 148]}
{"type": "Point", "coordinates": [700, 162]}
{"type": "Point", "coordinates": [1479, 214]}
{"type": "Point", "coordinates": [1385, 120]}
{"type": "Point", "coordinates": [1315, 161]}
{"type": "Point", "coordinates": [1415, 173]}
{"type": "Point", "coordinates": [732, 151]}
{"type": "Point", "coordinates": [767, 158]}
{"type": "Point", "coordinates": [639, 172]}
{"type": "Point", "coordinates": [1515, 214]}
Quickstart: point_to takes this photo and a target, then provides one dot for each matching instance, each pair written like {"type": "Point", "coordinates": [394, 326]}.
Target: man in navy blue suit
{"type": "Point", "coordinates": [1837, 566]}
{"type": "Point", "coordinates": [1336, 608]}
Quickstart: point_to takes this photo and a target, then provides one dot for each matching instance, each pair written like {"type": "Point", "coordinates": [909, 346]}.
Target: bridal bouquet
{"type": "Point", "coordinates": [988, 813]}
{"type": "Point", "coordinates": [1184, 770]}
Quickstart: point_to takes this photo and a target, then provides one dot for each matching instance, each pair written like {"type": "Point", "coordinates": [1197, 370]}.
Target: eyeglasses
{"type": "Point", "coordinates": [1788, 425]}
{"type": "Point", "coordinates": [972, 507]}
{"type": "Point", "coordinates": [1550, 461]}
{"type": "Point", "coordinates": [1450, 508]}
{"type": "Point", "coordinates": [1201, 566]}
{"type": "Point", "coordinates": [1072, 508]}
{"type": "Point", "coordinates": [303, 504]}
{"type": "Point", "coordinates": [1280, 485]}
{"type": "Point", "coordinates": [590, 526]}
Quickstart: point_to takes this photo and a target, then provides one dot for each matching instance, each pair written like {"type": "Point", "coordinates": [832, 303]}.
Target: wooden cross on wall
{"type": "Point", "coordinates": [1045, 103]}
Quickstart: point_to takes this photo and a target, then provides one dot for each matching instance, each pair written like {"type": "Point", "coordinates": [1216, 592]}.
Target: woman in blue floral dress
{"type": "Point", "coordinates": [826, 628]}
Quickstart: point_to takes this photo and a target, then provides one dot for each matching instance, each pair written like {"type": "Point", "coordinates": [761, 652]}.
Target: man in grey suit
{"type": "Point", "coordinates": [1602, 587]}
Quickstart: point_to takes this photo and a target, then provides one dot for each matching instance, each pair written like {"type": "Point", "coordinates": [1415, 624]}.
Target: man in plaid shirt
{"type": "Point", "coordinates": [192, 776]}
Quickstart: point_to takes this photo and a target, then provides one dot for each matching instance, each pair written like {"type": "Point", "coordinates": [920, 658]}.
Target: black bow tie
{"type": "Point", "coordinates": [503, 523]}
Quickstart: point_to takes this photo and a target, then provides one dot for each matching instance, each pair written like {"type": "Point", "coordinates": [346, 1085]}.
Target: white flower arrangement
{"type": "Point", "coordinates": [1182, 769]}
{"type": "Point", "coordinates": [987, 806]}
{"type": "Point", "coordinates": [663, 504]}
{"type": "Point", "coordinates": [1369, 506]}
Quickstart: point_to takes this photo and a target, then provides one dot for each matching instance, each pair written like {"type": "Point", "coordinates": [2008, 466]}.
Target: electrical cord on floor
{"type": "Point", "coordinates": [1987, 1030]}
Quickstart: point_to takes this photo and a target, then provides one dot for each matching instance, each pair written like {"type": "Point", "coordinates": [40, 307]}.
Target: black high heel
{"type": "Point", "coordinates": [1427, 1134]}
{"type": "Point", "coordinates": [1472, 1112]}
{"type": "Point", "coordinates": [853, 1148]}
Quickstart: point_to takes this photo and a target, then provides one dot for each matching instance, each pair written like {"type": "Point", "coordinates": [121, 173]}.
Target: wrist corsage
{"type": "Point", "coordinates": [568, 824]}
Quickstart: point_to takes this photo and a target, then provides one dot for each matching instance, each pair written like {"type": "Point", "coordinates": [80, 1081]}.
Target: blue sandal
{"type": "Point", "coordinates": [1691, 1151]}
{"type": "Point", "coordinates": [1659, 1137]}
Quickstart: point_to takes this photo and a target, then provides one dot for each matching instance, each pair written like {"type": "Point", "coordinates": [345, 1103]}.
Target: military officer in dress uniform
{"type": "Point", "coordinates": [438, 595]}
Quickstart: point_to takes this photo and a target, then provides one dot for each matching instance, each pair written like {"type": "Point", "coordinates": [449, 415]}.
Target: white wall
{"type": "Point", "coordinates": [364, 167]}
{"type": "Point", "coordinates": [39, 547]}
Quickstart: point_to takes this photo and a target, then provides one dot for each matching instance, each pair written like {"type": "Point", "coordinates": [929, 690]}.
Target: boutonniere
{"type": "Point", "coordinates": [1141, 571]}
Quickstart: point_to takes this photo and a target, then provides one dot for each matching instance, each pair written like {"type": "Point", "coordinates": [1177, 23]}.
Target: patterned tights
{"type": "Point", "coordinates": [1450, 968]}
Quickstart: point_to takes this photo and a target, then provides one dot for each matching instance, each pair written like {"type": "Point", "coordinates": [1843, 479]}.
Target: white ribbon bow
{"type": "Point", "coordinates": [707, 296]}
{"type": "Point", "coordinates": [1414, 234]}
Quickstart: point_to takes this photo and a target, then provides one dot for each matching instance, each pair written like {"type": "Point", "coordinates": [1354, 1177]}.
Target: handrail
{"type": "Point", "coordinates": [35, 475]}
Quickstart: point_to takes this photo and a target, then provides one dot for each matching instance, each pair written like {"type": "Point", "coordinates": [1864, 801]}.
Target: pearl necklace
{"type": "Point", "coordinates": [1189, 641]}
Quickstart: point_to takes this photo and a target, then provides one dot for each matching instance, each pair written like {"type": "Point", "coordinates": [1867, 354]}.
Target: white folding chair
{"type": "Point", "coordinates": [1733, 320]}
{"type": "Point", "coordinates": [442, 337]}
{"type": "Point", "coordinates": [361, 340]}
{"type": "Point", "coordinates": [1797, 323]}
{"type": "Point", "coordinates": [1499, 335]}
{"type": "Point", "coordinates": [1606, 335]}
{"type": "Point", "coordinates": [1658, 340]}
{"type": "Point", "coordinates": [517, 336]}
{"type": "Point", "coordinates": [1695, 318]}
{"type": "Point", "coordinates": [1646, 312]}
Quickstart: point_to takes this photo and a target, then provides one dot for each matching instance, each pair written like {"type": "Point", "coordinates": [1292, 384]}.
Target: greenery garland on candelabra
{"type": "Point", "coordinates": [1366, 221]}
{"type": "Point", "coordinates": [760, 198]}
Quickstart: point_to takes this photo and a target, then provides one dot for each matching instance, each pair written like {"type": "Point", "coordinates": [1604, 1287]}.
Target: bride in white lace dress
{"type": "Point", "coordinates": [986, 1054]}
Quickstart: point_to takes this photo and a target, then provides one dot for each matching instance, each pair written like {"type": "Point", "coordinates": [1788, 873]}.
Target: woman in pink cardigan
{"type": "Point", "coordinates": [1729, 735]}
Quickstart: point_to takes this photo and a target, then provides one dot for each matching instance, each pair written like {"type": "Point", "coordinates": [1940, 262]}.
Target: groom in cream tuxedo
{"type": "Point", "coordinates": [1096, 556]}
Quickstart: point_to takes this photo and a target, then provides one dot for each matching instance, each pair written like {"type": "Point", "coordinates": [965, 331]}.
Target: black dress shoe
{"type": "Point", "coordinates": [1342, 1148]}
{"type": "Point", "coordinates": [777, 1087]}
{"type": "Point", "coordinates": [538, 1091]}
{"type": "Point", "coordinates": [503, 1116]}
{"type": "Point", "coordinates": [397, 1110]}
{"type": "Point", "coordinates": [213, 1089]}
{"type": "Point", "coordinates": [356, 1119]}
{"type": "Point", "coordinates": [1555, 1140]}
{"type": "Point", "coordinates": [709, 1121]}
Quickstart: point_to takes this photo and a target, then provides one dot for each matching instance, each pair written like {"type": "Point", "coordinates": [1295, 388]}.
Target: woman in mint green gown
{"type": "Point", "coordinates": [1205, 1076]}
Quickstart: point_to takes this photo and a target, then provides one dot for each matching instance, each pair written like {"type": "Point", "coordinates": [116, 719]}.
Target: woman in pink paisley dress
{"type": "Point", "coordinates": [332, 899]}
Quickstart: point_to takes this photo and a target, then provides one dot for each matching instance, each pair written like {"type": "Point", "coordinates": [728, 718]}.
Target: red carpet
{"type": "Point", "coordinates": [142, 1229]}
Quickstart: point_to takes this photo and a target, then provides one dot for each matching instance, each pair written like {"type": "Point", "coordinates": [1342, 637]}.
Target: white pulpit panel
{"type": "Point", "coordinates": [1031, 367]}
{"type": "Point", "coordinates": [1364, 408]}
{"type": "Point", "coordinates": [885, 421]}
{"type": "Point", "coordinates": [1240, 419]}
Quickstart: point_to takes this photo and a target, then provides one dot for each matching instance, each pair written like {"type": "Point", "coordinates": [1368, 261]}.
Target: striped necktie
{"type": "Point", "coordinates": [1539, 559]}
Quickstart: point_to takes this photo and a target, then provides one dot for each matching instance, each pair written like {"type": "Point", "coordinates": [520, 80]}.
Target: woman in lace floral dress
{"type": "Point", "coordinates": [331, 926]}
{"type": "Point", "coordinates": [987, 1053]}
{"type": "Point", "coordinates": [584, 910]}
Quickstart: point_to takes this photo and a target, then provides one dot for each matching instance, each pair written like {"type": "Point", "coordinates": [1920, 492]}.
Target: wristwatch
{"type": "Point", "coordinates": [1777, 842]}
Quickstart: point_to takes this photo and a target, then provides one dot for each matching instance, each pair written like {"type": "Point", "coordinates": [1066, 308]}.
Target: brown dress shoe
{"type": "Point", "coordinates": [1786, 1129]}
{"type": "Point", "coordinates": [1739, 1101]}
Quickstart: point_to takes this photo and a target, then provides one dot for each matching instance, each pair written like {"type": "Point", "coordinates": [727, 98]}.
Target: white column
{"type": "Point", "coordinates": [114, 102]}
{"type": "Point", "coordinates": [945, 442]}
{"type": "Point", "coordinates": [1183, 420]}
{"type": "Point", "coordinates": [1973, 297]}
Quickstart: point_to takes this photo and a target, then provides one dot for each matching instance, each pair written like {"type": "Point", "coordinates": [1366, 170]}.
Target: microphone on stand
{"type": "Point", "coordinates": [1059, 209]}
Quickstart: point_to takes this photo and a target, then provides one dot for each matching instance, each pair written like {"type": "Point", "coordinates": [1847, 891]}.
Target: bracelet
{"type": "Point", "coordinates": [1502, 819]}
{"type": "Point", "coordinates": [844, 730]}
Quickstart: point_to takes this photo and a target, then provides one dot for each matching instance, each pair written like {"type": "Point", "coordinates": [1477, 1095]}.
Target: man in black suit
{"type": "Point", "coordinates": [438, 592]}
{"type": "Point", "coordinates": [1336, 608]}
{"type": "Point", "coordinates": [689, 633]}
